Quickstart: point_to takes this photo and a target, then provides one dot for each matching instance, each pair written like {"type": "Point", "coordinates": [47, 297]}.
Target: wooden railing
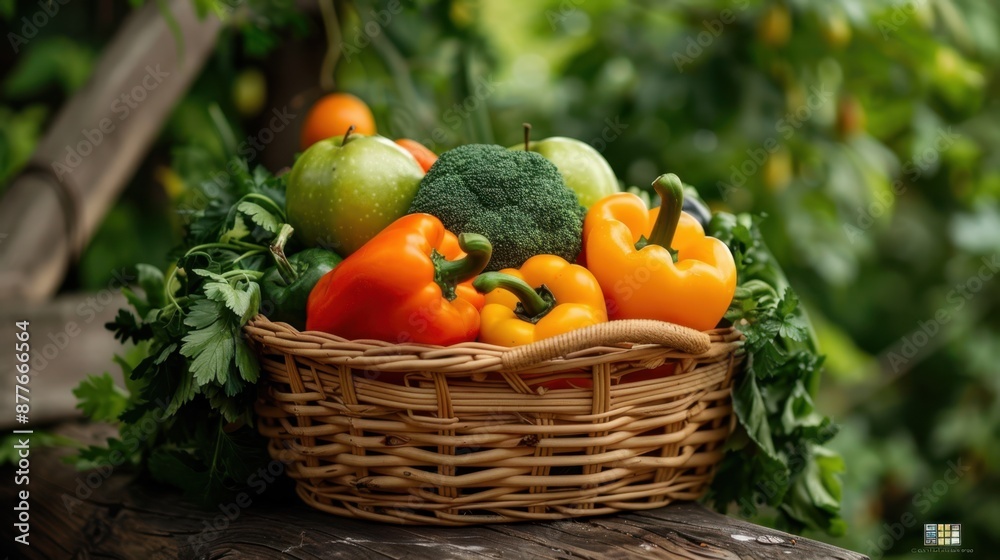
{"type": "Point", "coordinates": [95, 144]}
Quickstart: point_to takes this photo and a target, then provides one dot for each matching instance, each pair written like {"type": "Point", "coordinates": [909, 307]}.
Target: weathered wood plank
{"type": "Point", "coordinates": [68, 343]}
{"type": "Point", "coordinates": [120, 519]}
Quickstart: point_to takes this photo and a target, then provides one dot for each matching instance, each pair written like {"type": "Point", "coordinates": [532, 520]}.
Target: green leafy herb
{"type": "Point", "coordinates": [776, 458]}
{"type": "Point", "coordinates": [196, 377]}
{"type": "Point", "coordinates": [100, 399]}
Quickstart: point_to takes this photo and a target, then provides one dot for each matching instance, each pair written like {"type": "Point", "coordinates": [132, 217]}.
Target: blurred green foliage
{"type": "Point", "coordinates": [866, 131]}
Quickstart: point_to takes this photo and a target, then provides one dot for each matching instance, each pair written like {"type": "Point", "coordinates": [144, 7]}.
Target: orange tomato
{"type": "Point", "coordinates": [333, 114]}
{"type": "Point", "coordinates": [421, 153]}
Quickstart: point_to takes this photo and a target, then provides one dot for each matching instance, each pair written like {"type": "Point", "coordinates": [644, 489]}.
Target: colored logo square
{"type": "Point", "coordinates": [943, 534]}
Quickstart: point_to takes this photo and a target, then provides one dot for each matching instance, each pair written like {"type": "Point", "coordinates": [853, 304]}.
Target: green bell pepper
{"type": "Point", "coordinates": [285, 287]}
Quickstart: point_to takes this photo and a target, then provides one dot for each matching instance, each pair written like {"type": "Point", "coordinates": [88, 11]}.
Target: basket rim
{"type": "Point", "coordinates": [614, 341]}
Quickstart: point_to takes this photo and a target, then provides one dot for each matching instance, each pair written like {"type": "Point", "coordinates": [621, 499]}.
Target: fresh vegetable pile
{"type": "Point", "coordinates": [367, 238]}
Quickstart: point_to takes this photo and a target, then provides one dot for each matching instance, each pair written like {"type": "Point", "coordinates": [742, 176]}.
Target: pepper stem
{"type": "Point", "coordinates": [447, 273]}
{"type": "Point", "coordinates": [527, 136]}
{"type": "Point", "coordinates": [534, 305]}
{"type": "Point", "coordinates": [285, 268]}
{"type": "Point", "coordinates": [671, 191]}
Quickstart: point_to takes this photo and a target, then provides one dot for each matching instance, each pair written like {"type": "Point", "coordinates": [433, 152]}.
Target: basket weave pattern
{"type": "Point", "coordinates": [473, 433]}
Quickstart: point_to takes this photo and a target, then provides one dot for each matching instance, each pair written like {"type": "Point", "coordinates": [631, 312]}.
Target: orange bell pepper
{"type": "Point", "coordinates": [631, 251]}
{"type": "Point", "coordinates": [547, 296]}
{"type": "Point", "coordinates": [409, 283]}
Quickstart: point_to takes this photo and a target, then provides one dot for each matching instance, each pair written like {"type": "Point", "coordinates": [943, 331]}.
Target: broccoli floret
{"type": "Point", "coordinates": [517, 199]}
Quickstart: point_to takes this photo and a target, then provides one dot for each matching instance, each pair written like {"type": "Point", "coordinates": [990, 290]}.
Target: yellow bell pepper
{"type": "Point", "coordinates": [631, 252]}
{"type": "Point", "coordinates": [547, 296]}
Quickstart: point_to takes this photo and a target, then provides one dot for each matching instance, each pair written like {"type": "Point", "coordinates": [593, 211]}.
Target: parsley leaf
{"type": "Point", "coordinates": [127, 328]}
{"type": "Point", "coordinates": [210, 345]}
{"type": "Point", "coordinates": [260, 216]}
{"type": "Point", "coordinates": [100, 399]}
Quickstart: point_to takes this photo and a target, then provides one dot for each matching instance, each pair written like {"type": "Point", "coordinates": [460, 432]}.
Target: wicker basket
{"type": "Point", "coordinates": [570, 426]}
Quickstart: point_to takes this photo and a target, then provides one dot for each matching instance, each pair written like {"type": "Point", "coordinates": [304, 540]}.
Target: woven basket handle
{"type": "Point", "coordinates": [636, 331]}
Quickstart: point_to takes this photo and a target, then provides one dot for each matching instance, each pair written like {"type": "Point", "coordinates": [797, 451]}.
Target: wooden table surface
{"type": "Point", "coordinates": [129, 520]}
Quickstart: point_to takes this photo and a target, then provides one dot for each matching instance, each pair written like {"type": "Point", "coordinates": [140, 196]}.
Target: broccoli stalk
{"type": "Point", "coordinates": [518, 200]}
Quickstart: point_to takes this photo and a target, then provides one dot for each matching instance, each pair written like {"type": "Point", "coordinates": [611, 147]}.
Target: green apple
{"type": "Point", "coordinates": [583, 168]}
{"type": "Point", "coordinates": [342, 192]}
